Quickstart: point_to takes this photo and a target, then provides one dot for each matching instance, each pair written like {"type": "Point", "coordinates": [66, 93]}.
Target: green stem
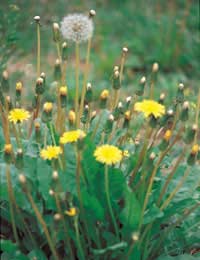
{"type": "Point", "coordinates": [43, 224]}
{"type": "Point", "coordinates": [78, 238]}
{"type": "Point", "coordinates": [38, 49]}
{"type": "Point", "coordinates": [85, 76]}
{"type": "Point", "coordinates": [11, 196]}
{"type": "Point", "coordinates": [54, 143]}
{"type": "Point", "coordinates": [77, 84]}
{"type": "Point", "coordinates": [109, 202]}
{"type": "Point", "coordinates": [64, 226]}
{"type": "Point", "coordinates": [173, 193]}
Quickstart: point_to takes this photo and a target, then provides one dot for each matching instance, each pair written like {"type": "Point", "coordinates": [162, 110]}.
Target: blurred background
{"type": "Point", "coordinates": [160, 31]}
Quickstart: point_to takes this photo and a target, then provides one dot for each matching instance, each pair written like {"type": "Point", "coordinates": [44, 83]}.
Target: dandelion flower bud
{"type": "Point", "coordinates": [5, 74]}
{"type": "Point", "coordinates": [85, 115]}
{"type": "Point", "coordinates": [57, 70]}
{"type": "Point", "coordinates": [190, 134]}
{"type": "Point", "coordinates": [93, 115]}
{"type": "Point", "coordinates": [48, 106]}
{"type": "Point", "coordinates": [152, 156]}
{"type": "Point", "coordinates": [37, 126]}
{"type": "Point", "coordinates": [63, 96]}
{"type": "Point", "coordinates": [135, 236]}
{"type": "Point", "coordinates": [116, 68]}
{"type": "Point", "coordinates": [181, 86]}
{"type": "Point", "coordinates": [37, 18]}
{"type": "Point", "coordinates": [116, 80]}
{"type": "Point", "coordinates": [161, 98]}
{"type": "Point", "coordinates": [56, 32]}
{"type": "Point", "coordinates": [155, 67]}
{"type": "Point", "coordinates": [64, 51]}
{"type": "Point", "coordinates": [127, 118]}
{"type": "Point", "coordinates": [140, 88]}
{"type": "Point", "coordinates": [193, 154]}
{"type": "Point", "coordinates": [128, 99]}
{"type": "Point", "coordinates": [51, 192]}
{"type": "Point", "coordinates": [5, 81]}
{"type": "Point", "coordinates": [125, 50]}
{"type": "Point", "coordinates": [109, 124]}
{"type": "Point", "coordinates": [143, 80]}
{"type": "Point", "coordinates": [22, 179]}
{"type": "Point", "coordinates": [77, 27]}
{"type": "Point", "coordinates": [57, 217]}
{"type": "Point", "coordinates": [88, 94]}
{"type": "Point", "coordinates": [8, 148]}
{"type": "Point", "coordinates": [92, 13]}
{"type": "Point", "coordinates": [8, 101]}
{"type": "Point", "coordinates": [55, 175]}
{"type": "Point", "coordinates": [47, 112]}
{"type": "Point", "coordinates": [103, 98]}
{"type": "Point", "coordinates": [39, 89]}
{"type": "Point", "coordinates": [19, 86]}
{"type": "Point", "coordinates": [72, 117]}
{"type": "Point", "coordinates": [185, 111]}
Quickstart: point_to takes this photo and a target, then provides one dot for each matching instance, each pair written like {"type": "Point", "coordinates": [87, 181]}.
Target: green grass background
{"type": "Point", "coordinates": [153, 30]}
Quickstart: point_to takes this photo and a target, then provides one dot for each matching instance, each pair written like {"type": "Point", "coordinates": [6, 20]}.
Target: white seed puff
{"type": "Point", "coordinates": [77, 27]}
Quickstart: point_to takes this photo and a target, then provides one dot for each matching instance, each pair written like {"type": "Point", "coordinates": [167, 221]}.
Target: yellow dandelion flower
{"type": "Point", "coordinates": [150, 107]}
{"type": "Point", "coordinates": [18, 115]}
{"type": "Point", "coordinates": [50, 152]}
{"type": "Point", "coordinates": [108, 154]}
{"type": "Point", "coordinates": [72, 136]}
{"type": "Point", "coordinates": [63, 90]}
{"type": "Point", "coordinates": [71, 212]}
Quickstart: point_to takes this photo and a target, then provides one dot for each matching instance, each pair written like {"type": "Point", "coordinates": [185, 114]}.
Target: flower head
{"type": "Point", "coordinates": [77, 27]}
{"type": "Point", "coordinates": [71, 136]}
{"type": "Point", "coordinates": [18, 115]}
{"type": "Point", "coordinates": [150, 107]}
{"type": "Point", "coordinates": [71, 212]}
{"type": "Point", "coordinates": [108, 154]}
{"type": "Point", "coordinates": [50, 152]}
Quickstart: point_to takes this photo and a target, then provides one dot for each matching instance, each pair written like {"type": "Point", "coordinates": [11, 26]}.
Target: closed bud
{"type": "Point", "coordinates": [5, 82]}
{"type": "Point", "coordinates": [190, 134]}
{"type": "Point", "coordinates": [93, 115]}
{"type": "Point", "coordinates": [22, 179]}
{"type": "Point", "coordinates": [63, 96]}
{"type": "Point", "coordinates": [56, 32]}
{"type": "Point", "coordinates": [57, 217]}
{"type": "Point", "coordinates": [140, 88]}
{"type": "Point", "coordinates": [8, 102]}
{"type": "Point", "coordinates": [152, 156]}
{"type": "Point", "coordinates": [19, 162]}
{"type": "Point", "coordinates": [103, 98]}
{"type": "Point", "coordinates": [55, 175]}
{"type": "Point", "coordinates": [165, 142]}
{"type": "Point", "coordinates": [88, 94]}
{"type": "Point", "coordinates": [64, 51]}
{"type": "Point", "coordinates": [57, 71]}
{"type": "Point", "coordinates": [135, 236]}
{"type": "Point", "coordinates": [85, 115]}
{"type": "Point", "coordinates": [51, 192]}
{"type": "Point", "coordinates": [18, 86]}
{"type": "Point", "coordinates": [72, 117]}
{"type": "Point", "coordinates": [92, 13]}
{"type": "Point", "coordinates": [193, 155]}
{"type": "Point", "coordinates": [109, 124]}
{"type": "Point", "coordinates": [127, 118]}
{"type": "Point", "coordinates": [184, 115]}
{"type": "Point", "coordinates": [8, 148]}
{"type": "Point", "coordinates": [37, 18]}
{"type": "Point", "coordinates": [116, 80]}
{"type": "Point", "coordinates": [161, 98]}
{"type": "Point", "coordinates": [125, 50]}
{"type": "Point", "coordinates": [47, 112]}
{"type": "Point", "coordinates": [180, 93]}
{"type": "Point", "coordinates": [155, 67]}
{"type": "Point", "coordinates": [39, 89]}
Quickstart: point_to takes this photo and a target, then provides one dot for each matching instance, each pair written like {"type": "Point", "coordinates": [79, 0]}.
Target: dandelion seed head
{"type": "Point", "coordinates": [77, 27]}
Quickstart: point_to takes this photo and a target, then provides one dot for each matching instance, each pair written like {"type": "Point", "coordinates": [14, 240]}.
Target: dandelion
{"type": "Point", "coordinates": [50, 152]}
{"type": "Point", "coordinates": [150, 107]}
{"type": "Point", "coordinates": [18, 115]}
{"type": "Point", "coordinates": [77, 27]}
{"type": "Point", "coordinates": [71, 212]}
{"type": "Point", "coordinates": [108, 154]}
{"type": "Point", "coordinates": [72, 136]}
{"type": "Point", "coordinates": [8, 148]}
